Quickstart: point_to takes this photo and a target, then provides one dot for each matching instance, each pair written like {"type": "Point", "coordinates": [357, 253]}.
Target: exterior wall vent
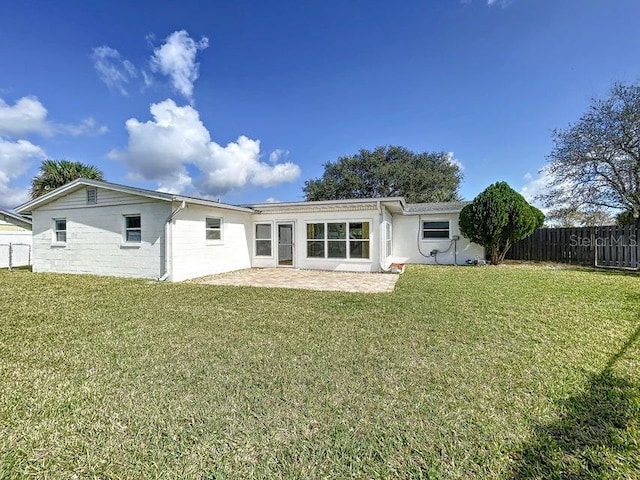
{"type": "Point", "coordinates": [92, 196]}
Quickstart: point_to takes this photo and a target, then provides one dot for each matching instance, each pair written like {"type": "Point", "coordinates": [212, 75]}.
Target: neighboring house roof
{"type": "Point", "coordinates": [142, 192]}
{"type": "Point", "coordinates": [393, 204]}
{"type": "Point", "coordinates": [15, 219]}
{"type": "Point", "coordinates": [434, 208]}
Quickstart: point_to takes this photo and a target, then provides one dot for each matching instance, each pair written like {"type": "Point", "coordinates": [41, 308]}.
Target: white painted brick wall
{"type": "Point", "coordinates": [405, 241]}
{"type": "Point", "coordinates": [95, 237]}
{"type": "Point", "coordinates": [300, 240]}
{"type": "Point", "coordinates": [194, 256]}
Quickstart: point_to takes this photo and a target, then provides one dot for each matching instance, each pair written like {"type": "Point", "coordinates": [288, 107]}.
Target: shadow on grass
{"type": "Point", "coordinates": [594, 436]}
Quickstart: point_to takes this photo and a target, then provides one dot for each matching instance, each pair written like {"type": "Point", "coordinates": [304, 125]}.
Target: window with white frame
{"type": "Point", "coordinates": [349, 240]}
{"type": "Point", "coordinates": [263, 240]}
{"type": "Point", "coordinates": [213, 229]}
{"type": "Point", "coordinates": [132, 229]}
{"type": "Point", "coordinates": [60, 230]}
{"type": "Point", "coordinates": [388, 238]}
{"type": "Point", "coordinates": [92, 196]}
{"type": "Point", "coordinates": [435, 230]}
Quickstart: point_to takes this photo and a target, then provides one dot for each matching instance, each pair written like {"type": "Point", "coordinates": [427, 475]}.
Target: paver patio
{"type": "Point", "coordinates": [305, 279]}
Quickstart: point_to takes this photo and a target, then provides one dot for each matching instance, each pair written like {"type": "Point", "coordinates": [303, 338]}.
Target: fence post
{"type": "Point", "coordinates": [594, 240]}
{"type": "Point", "coordinates": [10, 255]}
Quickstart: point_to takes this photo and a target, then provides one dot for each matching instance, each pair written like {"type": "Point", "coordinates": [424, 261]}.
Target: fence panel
{"type": "Point", "coordinates": [606, 246]}
{"type": "Point", "coordinates": [15, 255]}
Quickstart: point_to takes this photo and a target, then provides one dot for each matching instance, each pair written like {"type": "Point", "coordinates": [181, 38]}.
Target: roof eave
{"type": "Point", "coordinates": [16, 217]}
{"type": "Point", "coordinates": [29, 206]}
{"type": "Point", "coordinates": [212, 203]}
{"type": "Point", "coordinates": [350, 201]}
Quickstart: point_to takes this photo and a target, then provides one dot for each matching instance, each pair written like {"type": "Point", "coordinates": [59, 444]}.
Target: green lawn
{"type": "Point", "coordinates": [495, 372]}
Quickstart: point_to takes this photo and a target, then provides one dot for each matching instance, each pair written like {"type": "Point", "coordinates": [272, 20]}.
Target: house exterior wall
{"type": "Point", "coordinates": [194, 256]}
{"type": "Point", "coordinates": [407, 235]}
{"type": "Point", "coordinates": [95, 235]}
{"type": "Point", "coordinates": [300, 220]}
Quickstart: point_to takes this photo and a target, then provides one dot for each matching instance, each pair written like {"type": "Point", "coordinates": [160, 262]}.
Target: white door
{"type": "Point", "coordinates": [285, 244]}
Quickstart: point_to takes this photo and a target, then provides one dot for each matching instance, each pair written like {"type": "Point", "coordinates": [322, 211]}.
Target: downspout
{"type": "Point", "coordinates": [167, 241]}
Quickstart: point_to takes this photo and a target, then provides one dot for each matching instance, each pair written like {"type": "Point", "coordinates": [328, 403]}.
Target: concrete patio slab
{"type": "Point", "coordinates": [305, 279]}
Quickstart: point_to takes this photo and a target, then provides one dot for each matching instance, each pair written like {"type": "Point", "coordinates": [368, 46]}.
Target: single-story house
{"type": "Point", "coordinates": [15, 239]}
{"type": "Point", "coordinates": [104, 228]}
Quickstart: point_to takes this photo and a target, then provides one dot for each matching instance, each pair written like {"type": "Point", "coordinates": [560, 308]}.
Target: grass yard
{"type": "Point", "coordinates": [496, 372]}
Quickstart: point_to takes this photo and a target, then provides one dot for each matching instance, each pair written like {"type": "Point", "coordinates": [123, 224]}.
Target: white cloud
{"type": "Point", "coordinates": [162, 148]}
{"type": "Point", "coordinates": [115, 71]}
{"type": "Point", "coordinates": [176, 58]}
{"type": "Point", "coordinates": [147, 78]}
{"type": "Point", "coordinates": [454, 161]}
{"type": "Point", "coordinates": [89, 126]}
{"type": "Point", "coordinates": [502, 3]}
{"type": "Point", "coordinates": [15, 158]}
{"type": "Point", "coordinates": [26, 116]}
{"type": "Point", "coordinates": [271, 200]}
{"type": "Point", "coordinates": [534, 186]}
{"type": "Point", "coordinates": [175, 184]}
{"type": "Point", "coordinates": [277, 155]}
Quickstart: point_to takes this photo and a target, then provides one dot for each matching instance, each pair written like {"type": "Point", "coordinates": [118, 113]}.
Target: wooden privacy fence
{"type": "Point", "coordinates": [610, 246]}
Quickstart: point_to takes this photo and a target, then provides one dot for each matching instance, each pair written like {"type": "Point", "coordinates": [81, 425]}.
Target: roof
{"type": "Point", "coordinates": [393, 204]}
{"type": "Point", "coordinates": [15, 217]}
{"type": "Point", "coordinates": [434, 208]}
{"type": "Point", "coordinates": [142, 192]}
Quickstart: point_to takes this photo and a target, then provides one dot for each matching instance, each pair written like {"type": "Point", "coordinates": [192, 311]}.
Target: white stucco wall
{"type": "Point", "coordinates": [301, 219]}
{"type": "Point", "coordinates": [193, 256]}
{"type": "Point", "coordinates": [95, 236]}
{"type": "Point", "coordinates": [406, 231]}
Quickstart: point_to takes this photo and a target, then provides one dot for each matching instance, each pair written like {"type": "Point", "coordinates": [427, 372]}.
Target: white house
{"type": "Point", "coordinates": [15, 239]}
{"type": "Point", "coordinates": [103, 228]}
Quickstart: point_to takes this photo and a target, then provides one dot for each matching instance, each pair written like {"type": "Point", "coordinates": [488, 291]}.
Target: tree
{"type": "Point", "coordinates": [388, 172]}
{"type": "Point", "coordinates": [55, 173]}
{"type": "Point", "coordinates": [574, 218]}
{"type": "Point", "coordinates": [498, 217]}
{"type": "Point", "coordinates": [626, 218]}
{"type": "Point", "coordinates": [595, 163]}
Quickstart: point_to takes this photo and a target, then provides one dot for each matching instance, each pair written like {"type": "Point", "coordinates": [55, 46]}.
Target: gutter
{"type": "Point", "coordinates": [167, 241]}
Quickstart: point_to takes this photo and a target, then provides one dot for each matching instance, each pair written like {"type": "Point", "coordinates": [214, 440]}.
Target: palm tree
{"type": "Point", "coordinates": [55, 173]}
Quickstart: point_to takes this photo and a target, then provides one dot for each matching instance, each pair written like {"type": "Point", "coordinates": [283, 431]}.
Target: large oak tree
{"type": "Point", "coordinates": [388, 172]}
{"type": "Point", "coordinates": [595, 162]}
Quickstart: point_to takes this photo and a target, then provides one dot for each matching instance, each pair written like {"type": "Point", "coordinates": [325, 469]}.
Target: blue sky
{"type": "Point", "coordinates": [246, 100]}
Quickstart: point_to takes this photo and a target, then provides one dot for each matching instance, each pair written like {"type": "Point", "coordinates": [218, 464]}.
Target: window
{"type": "Point", "coordinates": [315, 240]}
{"type": "Point", "coordinates": [60, 230]}
{"type": "Point", "coordinates": [213, 229]}
{"type": "Point", "coordinates": [336, 244]}
{"type": "Point", "coordinates": [388, 239]}
{"type": "Point", "coordinates": [338, 240]}
{"type": "Point", "coordinates": [359, 240]}
{"type": "Point", "coordinates": [132, 229]}
{"type": "Point", "coordinates": [92, 196]}
{"type": "Point", "coordinates": [263, 240]}
{"type": "Point", "coordinates": [435, 230]}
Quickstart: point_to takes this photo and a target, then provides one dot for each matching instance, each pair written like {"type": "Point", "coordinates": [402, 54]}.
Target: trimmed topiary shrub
{"type": "Point", "coordinates": [498, 217]}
